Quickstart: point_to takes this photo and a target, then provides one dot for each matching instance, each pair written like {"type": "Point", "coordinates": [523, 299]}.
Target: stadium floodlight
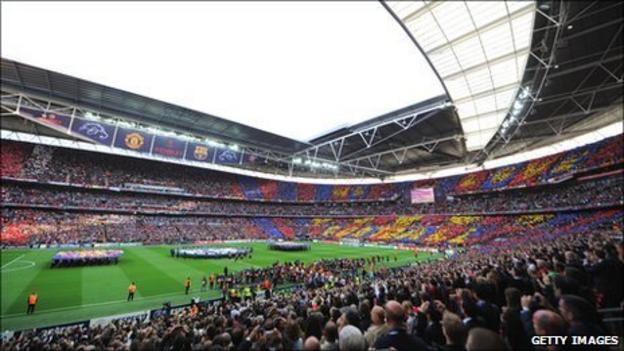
{"type": "Point", "coordinates": [92, 116]}
{"type": "Point", "coordinates": [185, 136]}
{"type": "Point", "coordinates": [213, 143]}
{"type": "Point", "coordinates": [159, 131]}
{"type": "Point", "coordinates": [125, 124]}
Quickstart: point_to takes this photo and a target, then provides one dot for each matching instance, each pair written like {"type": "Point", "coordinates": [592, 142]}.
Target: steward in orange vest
{"type": "Point", "coordinates": [32, 301]}
{"type": "Point", "coordinates": [131, 290]}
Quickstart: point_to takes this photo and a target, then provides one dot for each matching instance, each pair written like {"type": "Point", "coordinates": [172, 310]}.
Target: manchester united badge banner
{"type": "Point", "coordinates": [132, 139]}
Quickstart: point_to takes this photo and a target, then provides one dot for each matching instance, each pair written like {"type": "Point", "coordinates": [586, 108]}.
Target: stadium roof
{"type": "Point", "coordinates": [480, 49]}
{"type": "Point", "coordinates": [295, 69]}
{"type": "Point", "coordinates": [565, 82]}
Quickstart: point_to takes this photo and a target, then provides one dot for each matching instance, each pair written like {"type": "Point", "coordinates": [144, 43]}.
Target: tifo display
{"type": "Point", "coordinates": [86, 258]}
{"type": "Point", "coordinates": [288, 246]}
{"type": "Point", "coordinates": [212, 252]}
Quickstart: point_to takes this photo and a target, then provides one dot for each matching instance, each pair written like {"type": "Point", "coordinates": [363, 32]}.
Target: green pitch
{"type": "Point", "coordinates": [81, 293]}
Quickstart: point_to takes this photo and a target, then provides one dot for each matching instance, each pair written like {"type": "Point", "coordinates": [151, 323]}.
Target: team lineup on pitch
{"type": "Point", "coordinates": [78, 293]}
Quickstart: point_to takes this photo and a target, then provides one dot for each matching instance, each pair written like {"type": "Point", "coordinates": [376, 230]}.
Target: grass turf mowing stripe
{"type": "Point", "coordinates": [104, 283]}
{"type": "Point", "coordinates": [17, 277]}
{"type": "Point", "coordinates": [158, 275]}
{"type": "Point", "coordinates": [151, 274]}
{"type": "Point", "coordinates": [57, 287]}
{"type": "Point", "coordinates": [173, 268]}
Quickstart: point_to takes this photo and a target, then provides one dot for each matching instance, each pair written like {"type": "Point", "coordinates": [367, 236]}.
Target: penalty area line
{"type": "Point", "coordinates": [13, 260]}
{"type": "Point", "coordinates": [29, 264]}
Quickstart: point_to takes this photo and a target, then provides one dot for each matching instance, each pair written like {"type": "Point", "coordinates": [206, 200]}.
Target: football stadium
{"type": "Point", "coordinates": [362, 175]}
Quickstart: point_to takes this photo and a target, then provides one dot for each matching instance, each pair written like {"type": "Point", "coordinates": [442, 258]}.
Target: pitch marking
{"type": "Point", "coordinates": [29, 264]}
{"type": "Point", "coordinates": [13, 260]}
{"type": "Point", "coordinates": [147, 298]}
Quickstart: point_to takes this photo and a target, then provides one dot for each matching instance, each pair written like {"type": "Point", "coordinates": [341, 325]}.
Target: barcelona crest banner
{"type": "Point", "coordinates": [199, 152]}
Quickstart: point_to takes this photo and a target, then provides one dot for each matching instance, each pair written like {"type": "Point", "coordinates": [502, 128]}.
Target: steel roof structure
{"type": "Point", "coordinates": [479, 49]}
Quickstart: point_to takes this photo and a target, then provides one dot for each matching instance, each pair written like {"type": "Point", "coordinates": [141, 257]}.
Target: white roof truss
{"type": "Point", "coordinates": [479, 49]}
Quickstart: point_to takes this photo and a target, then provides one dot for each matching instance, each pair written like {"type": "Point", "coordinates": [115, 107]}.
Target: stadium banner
{"type": "Point", "coordinates": [141, 317]}
{"type": "Point", "coordinates": [168, 147]}
{"type": "Point", "coordinates": [227, 156]}
{"type": "Point", "coordinates": [65, 326]}
{"type": "Point", "coordinates": [422, 195]}
{"type": "Point", "coordinates": [130, 244]}
{"type": "Point", "coordinates": [199, 152]}
{"type": "Point", "coordinates": [52, 119]}
{"type": "Point", "coordinates": [101, 133]}
{"type": "Point", "coordinates": [132, 139]}
{"type": "Point", "coordinates": [253, 159]}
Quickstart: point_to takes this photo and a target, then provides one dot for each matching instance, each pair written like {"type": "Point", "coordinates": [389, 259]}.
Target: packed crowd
{"type": "Point", "coordinates": [29, 227]}
{"type": "Point", "coordinates": [470, 302]}
{"type": "Point", "coordinates": [53, 196]}
{"type": "Point", "coordinates": [46, 163]}
{"type": "Point", "coordinates": [597, 192]}
{"type": "Point", "coordinates": [604, 153]}
{"type": "Point", "coordinates": [588, 193]}
{"type": "Point", "coordinates": [37, 227]}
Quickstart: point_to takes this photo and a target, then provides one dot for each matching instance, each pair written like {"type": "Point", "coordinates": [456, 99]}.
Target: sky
{"type": "Point", "coordinates": [297, 69]}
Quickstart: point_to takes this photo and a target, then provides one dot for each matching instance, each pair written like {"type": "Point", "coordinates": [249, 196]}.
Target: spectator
{"type": "Point", "coordinates": [580, 315]}
{"type": "Point", "coordinates": [513, 330]}
{"type": "Point", "coordinates": [378, 326]}
{"type": "Point", "coordinates": [549, 323]}
{"type": "Point", "coordinates": [311, 344]}
{"type": "Point", "coordinates": [330, 336]}
{"type": "Point", "coordinates": [482, 339]}
{"type": "Point", "coordinates": [454, 332]}
{"type": "Point", "coordinates": [397, 336]}
{"type": "Point", "coordinates": [351, 339]}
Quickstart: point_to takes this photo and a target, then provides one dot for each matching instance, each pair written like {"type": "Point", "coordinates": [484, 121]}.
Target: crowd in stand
{"type": "Point", "coordinates": [44, 227]}
{"type": "Point", "coordinates": [53, 228]}
{"type": "Point", "coordinates": [17, 193]}
{"type": "Point", "coordinates": [45, 163]}
{"type": "Point", "coordinates": [572, 194]}
{"type": "Point", "coordinates": [470, 302]}
{"type": "Point", "coordinates": [589, 193]}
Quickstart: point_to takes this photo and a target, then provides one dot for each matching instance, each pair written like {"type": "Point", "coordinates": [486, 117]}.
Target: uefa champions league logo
{"type": "Point", "coordinates": [227, 156]}
{"type": "Point", "coordinates": [94, 130]}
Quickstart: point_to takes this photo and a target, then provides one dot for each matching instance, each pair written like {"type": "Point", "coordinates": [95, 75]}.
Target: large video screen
{"type": "Point", "coordinates": [422, 195]}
